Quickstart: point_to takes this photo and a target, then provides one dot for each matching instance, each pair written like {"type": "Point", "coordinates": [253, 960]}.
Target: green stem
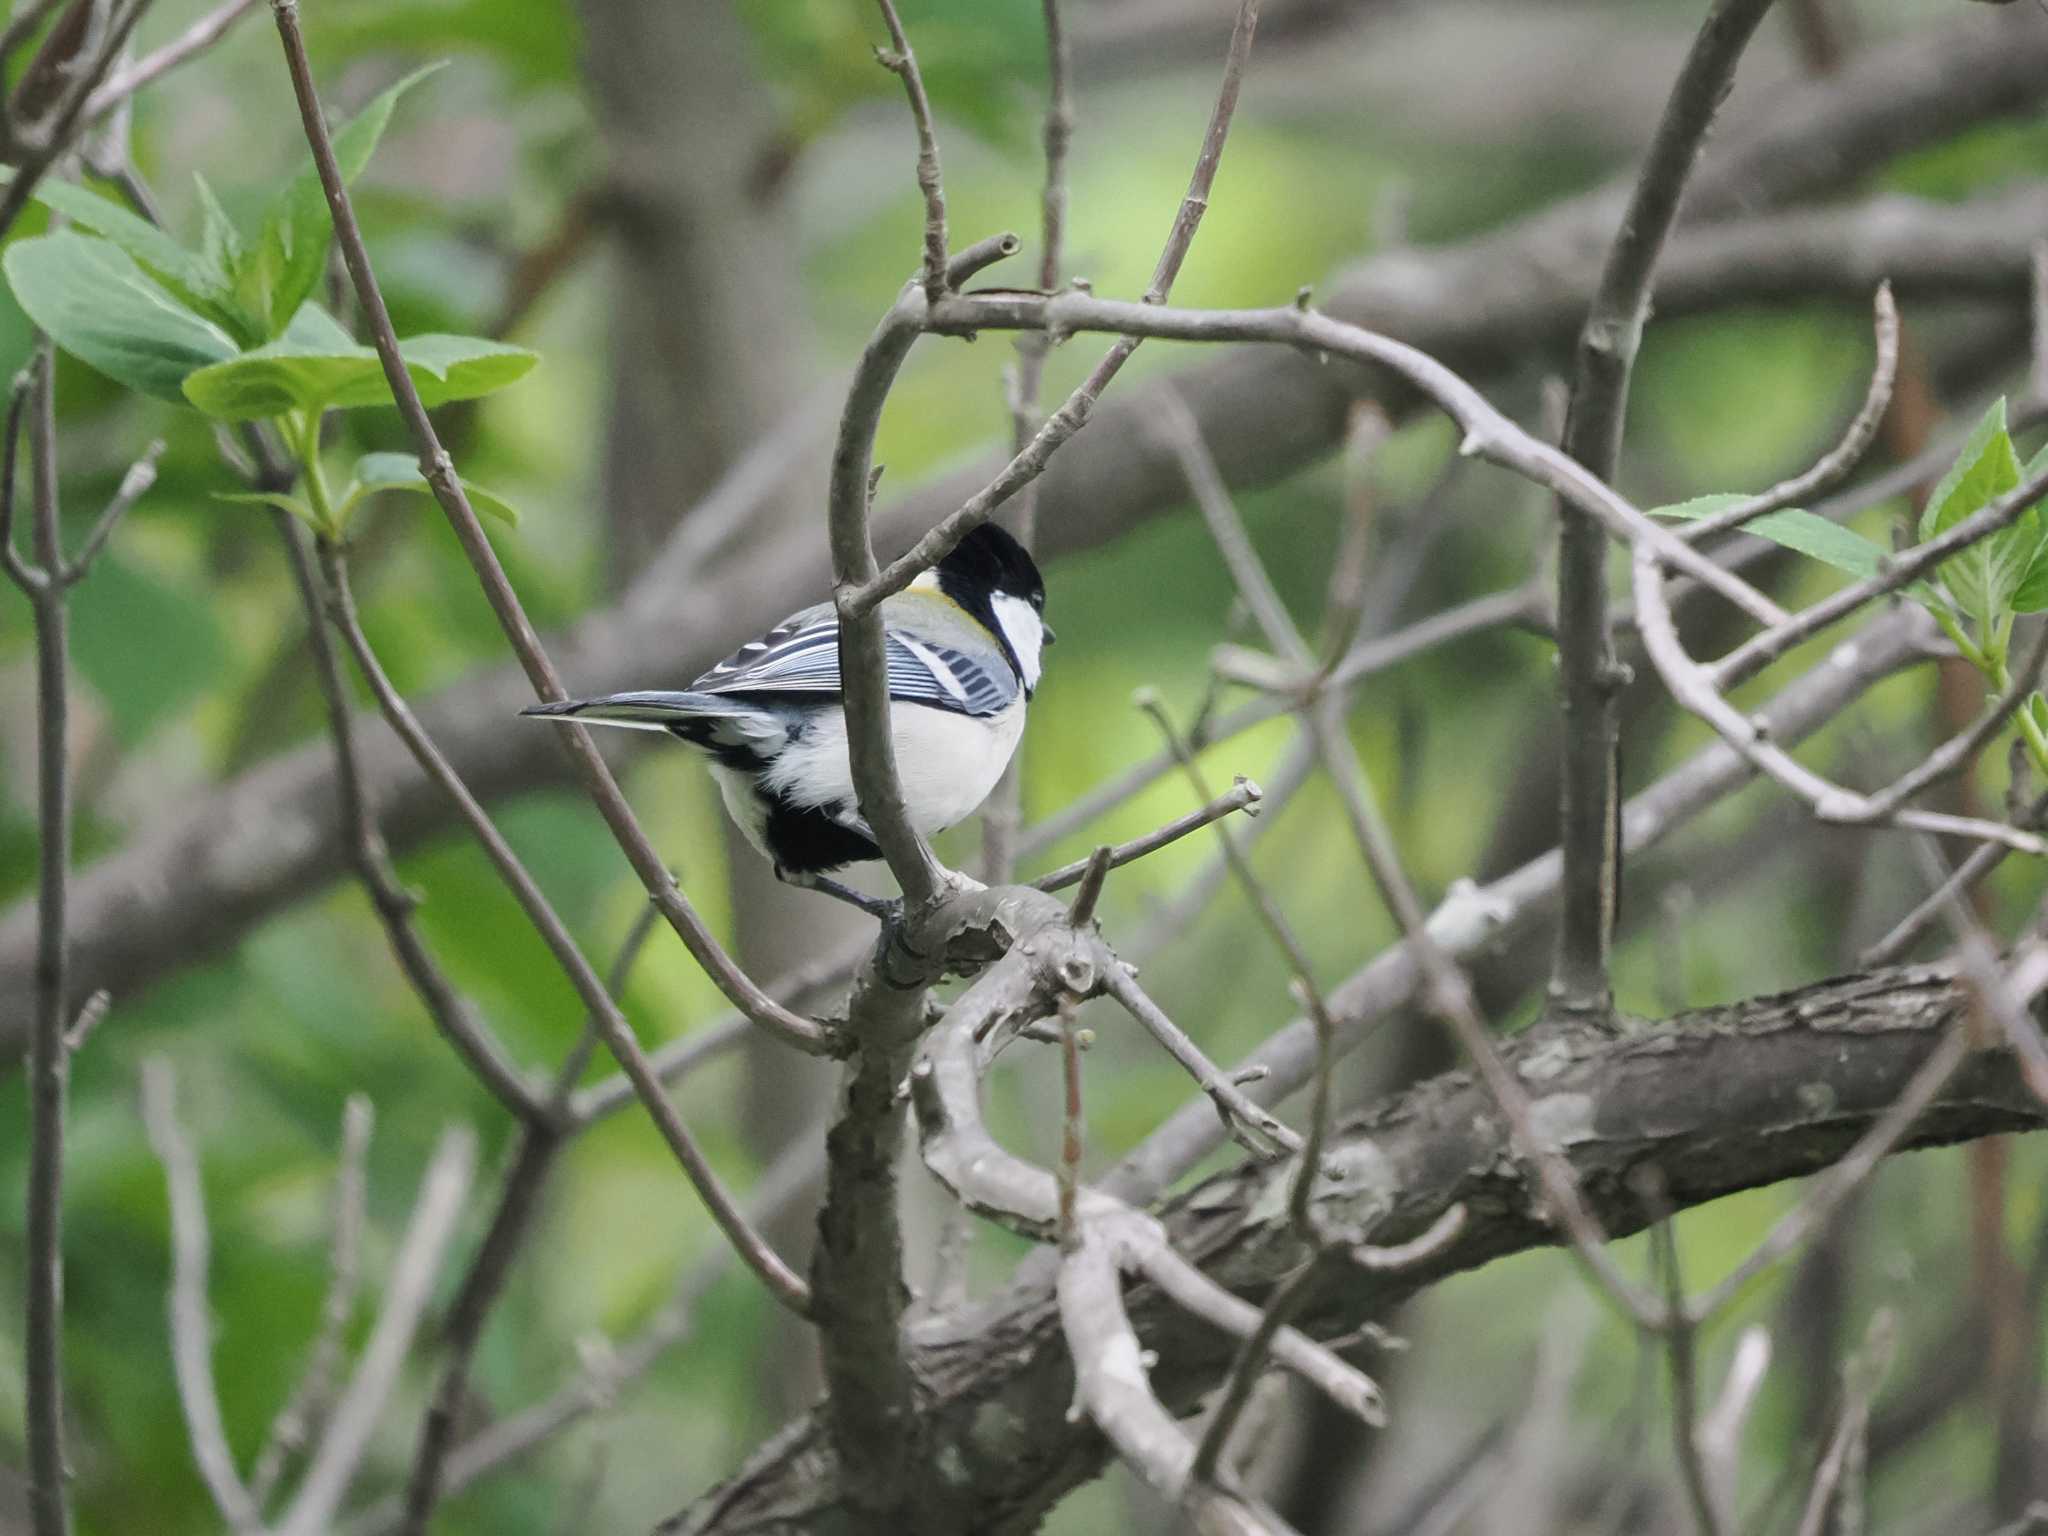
{"type": "Point", "coordinates": [1952, 627]}
{"type": "Point", "coordinates": [2030, 725]}
{"type": "Point", "coordinates": [306, 440]}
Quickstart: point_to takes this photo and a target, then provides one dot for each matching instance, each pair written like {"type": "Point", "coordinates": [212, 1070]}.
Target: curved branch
{"type": "Point", "coordinates": [1719, 1100]}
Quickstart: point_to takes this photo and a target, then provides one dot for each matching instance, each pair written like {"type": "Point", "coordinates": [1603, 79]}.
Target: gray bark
{"type": "Point", "coordinates": [1719, 1100]}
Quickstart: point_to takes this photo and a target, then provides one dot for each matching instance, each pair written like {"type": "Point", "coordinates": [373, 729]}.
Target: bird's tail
{"type": "Point", "coordinates": [644, 711]}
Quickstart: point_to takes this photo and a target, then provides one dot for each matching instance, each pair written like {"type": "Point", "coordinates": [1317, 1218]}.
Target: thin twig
{"type": "Point", "coordinates": [1004, 811]}
{"type": "Point", "coordinates": [1245, 1371]}
{"type": "Point", "coordinates": [1695, 689]}
{"type": "Point", "coordinates": [1242, 1115]}
{"type": "Point", "coordinates": [49, 1061]}
{"type": "Point", "coordinates": [134, 485]}
{"type": "Point", "coordinates": [439, 470]}
{"type": "Point", "coordinates": [606, 1372]}
{"type": "Point", "coordinates": [1720, 1431]}
{"type": "Point", "coordinates": [512, 1222]}
{"type": "Point", "coordinates": [1832, 467]}
{"type": "Point", "coordinates": [1074, 1126]}
{"type": "Point", "coordinates": [1982, 860]}
{"type": "Point", "coordinates": [900, 61]}
{"type": "Point", "coordinates": [1031, 460]}
{"type": "Point", "coordinates": [1837, 1483]}
{"type": "Point", "coordinates": [1263, 902]}
{"type": "Point", "coordinates": [1243, 795]}
{"type": "Point", "coordinates": [782, 1282]}
{"type": "Point", "coordinates": [191, 1312]}
{"type": "Point", "coordinates": [435, 1216]}
{"type": "Point", "coordinates": [453, 1014]}
{"type": "Point", "coordinates": [151, 67]}
{"type": "Point", "coordinates": [300, 1417]}
{"type": "Point", "coordinates": [1681, 1340]}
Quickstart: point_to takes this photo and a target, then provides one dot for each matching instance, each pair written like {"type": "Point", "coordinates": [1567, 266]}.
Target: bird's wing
{"type": "Point", "coordinates": [801, 656]}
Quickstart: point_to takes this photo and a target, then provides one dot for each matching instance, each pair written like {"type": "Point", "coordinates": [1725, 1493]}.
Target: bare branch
{"type": "Point", "coordinates": [900, 61]}
{"type": "Point", "coordinates": [1720, 1431]}
{"type": "Point", "coordinates": [134, 485]}
{"type": "Point", "coordinates": [1471, 918]}
{"type": "Point", "coordinates": [1030, 461]}
{"type": "Point", "coordinates": [1835, 465]}
{"type": "Point", "coordinates": [151, 67]}
{"type": "Point", "coordinates": [435, 1216]}
{"type": "Point", "coordinates": [297, 1421]}
{"type": "Point", "coordinates": [1694, 687]}
{"type": "Point", "coordinates": [1257, 1129]}
{"type": "Point", "coordinates": [191, 1310]}
{"type": "Point", "coordinates": [782, 1282]}
{"type": "Point", "coordinates": [1681, 1341]}
{"type": "Point", "coordinates": [49, 1060]}
{"type": "Point", "coordinates": [1243, 795]}
{"type": "Point", "coordinates": [453, 1014]}
{"type": "Point", "coordinates": [1592, 435]}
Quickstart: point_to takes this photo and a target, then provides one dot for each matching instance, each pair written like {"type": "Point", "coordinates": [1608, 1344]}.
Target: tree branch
{"type": "Point", "coordinates": [1720, 1100]}
{"type": "Point", "coordinates": [268, 838]}
{"type": "Point", "coordinates": [1604, 359]}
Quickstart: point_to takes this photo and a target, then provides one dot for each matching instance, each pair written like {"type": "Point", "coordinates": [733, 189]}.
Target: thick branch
{"type": "Point", "coordinates": [1719, 1100]}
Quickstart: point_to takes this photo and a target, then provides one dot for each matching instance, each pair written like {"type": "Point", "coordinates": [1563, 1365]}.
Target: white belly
{"type": "Point", "coordinates": [947, 763]}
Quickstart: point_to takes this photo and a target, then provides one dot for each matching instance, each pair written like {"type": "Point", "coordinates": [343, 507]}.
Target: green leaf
{"type": "Point", "coordinates": [185, 273]}
{"type": "Point", "coordinates": [1987, 577]}
{"type": "Point", "coordinates": [282, 502]}
{"type": "Point", "coordinates": [1806, 532]}
{"type": "Point", "coordinates": [284, 263]}
{"type": "Point", "coordinates": [103, 309]}
{"type": "Point", "coordinates": [1964, 488]}
{"type": "Point", "coordinates": [220, 242]}
{"type": "Point", "coordinates": [2031, 596]}
{"type": "Point", "coordinates": [303, 371]}
{"type": "Point", "coordinates": [401, 472]}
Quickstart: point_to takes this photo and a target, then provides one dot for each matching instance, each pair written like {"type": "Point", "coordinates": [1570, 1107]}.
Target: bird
{"type": "Point", "coordinates": [964, 644]}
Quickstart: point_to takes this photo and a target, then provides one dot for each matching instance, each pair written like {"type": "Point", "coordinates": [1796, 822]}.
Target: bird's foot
{"type": "Point", "coordinates": [883, 909]}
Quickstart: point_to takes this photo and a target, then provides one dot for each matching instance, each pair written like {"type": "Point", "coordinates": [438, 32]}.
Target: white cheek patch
{"type": "Point", "coordinates": [1024, 630]}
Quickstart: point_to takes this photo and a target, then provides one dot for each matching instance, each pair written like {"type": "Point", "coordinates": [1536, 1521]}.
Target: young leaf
{"type": "Point", "coordinates": [401, 472]}
{"type": "Point", "coordinates": [1805, 532]}
{"type": "Point", "coordinates": [303, 371]}
{"type": "Point", "coordinates": [183, 272]}
{"type": "Point", "coordinates": [220, 242]}
{"type": "Point", "coordinates": [284, 262]}
{"type": "Point", "coordinates": [103, 309]}
{"type": "Point", "coordinates": [1962, 490]}
{"type": "Point", "coordinates": [1987, 576]}
{"type": "Point", "coordinates": [2032, 593]}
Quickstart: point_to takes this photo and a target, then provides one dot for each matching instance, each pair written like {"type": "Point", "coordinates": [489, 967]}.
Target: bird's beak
{"type": "Point", "coordinates": [1049, 635]}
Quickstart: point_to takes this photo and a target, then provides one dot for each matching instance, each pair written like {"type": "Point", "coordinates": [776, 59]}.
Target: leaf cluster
{"type": "Point", "coordinates": [232, 328]}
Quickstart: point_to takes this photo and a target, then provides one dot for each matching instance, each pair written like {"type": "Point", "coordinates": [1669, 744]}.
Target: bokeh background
{"type": "Point", "coordinates": [696, 221]}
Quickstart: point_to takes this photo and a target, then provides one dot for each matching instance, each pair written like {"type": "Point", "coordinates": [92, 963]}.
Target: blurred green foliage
{"type": "Point", "coordinates": [185, 638]}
